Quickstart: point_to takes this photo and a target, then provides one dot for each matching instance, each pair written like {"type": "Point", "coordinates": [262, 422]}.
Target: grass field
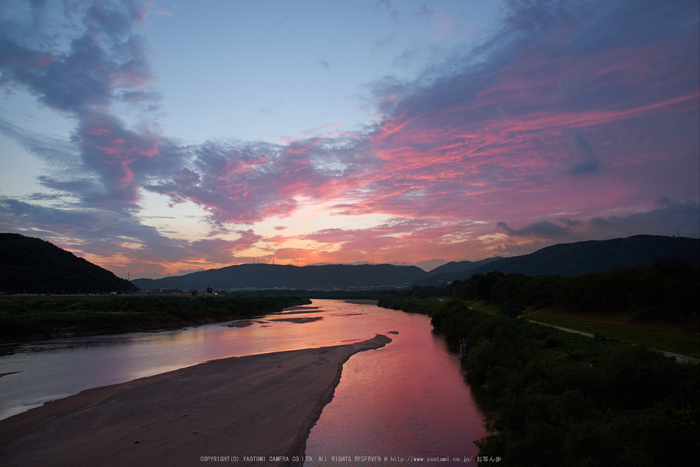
{"type": "Point", "coordinates": [660, 337]}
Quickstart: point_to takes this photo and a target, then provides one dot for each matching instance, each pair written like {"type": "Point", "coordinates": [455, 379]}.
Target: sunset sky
{"type": "Point", "coordinates": [164, 137]}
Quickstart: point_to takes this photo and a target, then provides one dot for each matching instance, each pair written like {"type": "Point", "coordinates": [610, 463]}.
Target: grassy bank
{"type": "Point", "coordinates": [46, 317]}
{"type": "Point", "coordinates": [661, 337]}
{"type": "Point", "coordinates": [566, 399]}
{"type": "Point", "coordinates": [423, 306]}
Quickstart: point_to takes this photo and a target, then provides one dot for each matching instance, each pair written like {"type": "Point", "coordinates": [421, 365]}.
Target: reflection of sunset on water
{"type": "Point", "coordinates": [408, 399]}
{"type": "Point", "coordinates": [113, 359]}
{"type": "Point", "coordinates": [412, 392]}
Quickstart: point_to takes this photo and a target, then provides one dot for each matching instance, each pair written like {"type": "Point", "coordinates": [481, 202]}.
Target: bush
{"type": "Point", "coordinates": [511, 309]}
{"type": "Point", "coordinates": [628, 406]}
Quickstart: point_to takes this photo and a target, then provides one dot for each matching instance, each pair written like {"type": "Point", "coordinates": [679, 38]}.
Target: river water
{"type": "Point", "coordinates": [402, 404]}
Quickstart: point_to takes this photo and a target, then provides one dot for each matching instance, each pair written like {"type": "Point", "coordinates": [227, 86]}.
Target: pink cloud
{"type": "Point", "coordinates": [549, 119]}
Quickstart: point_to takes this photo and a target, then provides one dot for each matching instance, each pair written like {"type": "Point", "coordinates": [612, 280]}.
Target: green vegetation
{"type": "Point", "coordinates": [671, 340]}
{"type": "Point", "coordinates": [375, 294]}
{"type": "Point", "coordinates": [31, 265]}
{"type": "Point", "coordinates": [652, 306]}
{"type": "Point", "coordinates": [644, 293]}
{"type": "Point", "coordinates": [566, 399]}
{"type": "Point", "coordinates": [423, 306]}
{"type": "Point", "coordinates": [31, 318]}
{"type": "Point", "coordinates": [482, 306]}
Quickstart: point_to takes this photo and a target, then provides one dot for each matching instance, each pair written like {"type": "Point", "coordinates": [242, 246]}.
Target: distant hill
{"type": "Point", "coordinates": [458, 266]}
{"type": "Point", "coordinates": [572, 259]}
{"type": "Point", "coordinates": [262, 276]}
{"type": "Point", "coordinates": [456, 269]}
{"type": "Point", "coordinates": [32, 265]}
{"type": "Point", "coordinates": [566, 259]}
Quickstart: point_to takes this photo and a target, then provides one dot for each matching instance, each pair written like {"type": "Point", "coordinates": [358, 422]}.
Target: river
{"type": "Point", "coordinates": [399, 405]}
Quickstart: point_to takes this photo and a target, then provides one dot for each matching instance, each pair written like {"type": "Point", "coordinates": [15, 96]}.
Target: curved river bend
{"type": "Point", "coordinates": [399, 405]}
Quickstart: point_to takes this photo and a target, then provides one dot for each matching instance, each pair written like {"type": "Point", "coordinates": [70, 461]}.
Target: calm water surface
{"type": "Point", "coordinates": [405, 401]}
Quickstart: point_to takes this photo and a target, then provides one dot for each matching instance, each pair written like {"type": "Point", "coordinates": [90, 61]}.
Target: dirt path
{"type": "Point", "coordinates": [680, 358]}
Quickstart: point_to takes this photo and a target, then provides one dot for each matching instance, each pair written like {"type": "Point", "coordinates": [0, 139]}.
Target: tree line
{"type": "Point", "coordinates": [565, 399]}
{"type": "Point", "coordinates": [30, 318]}
{"type": "Point", "coordinates": [649, 293]}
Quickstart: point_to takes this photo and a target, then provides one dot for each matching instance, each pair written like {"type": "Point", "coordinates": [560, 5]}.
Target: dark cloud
{"type": "Point", "coordinates": [44, 197]}
{"type": "Point", "coordinates": [541, 229]}
{"type": "Point", "coordinates": [105, 62]}
{"type": "Point", "coordinates": [88, 225]}
{"type": "Point", "coordinates": [517, 249]}
{"type": "Point", "coordinates": [511, 76]}
{"type": "Point", "coordinates": [221, 251]}
{"type": "Point", "coordinates": [484, 130]}
{"type": "Point", "coordinates": [113, 152]}
{"type": "Point", "coordinates": [600, 222]}
{"type": "Point", "coordinates": [249, 181]}
{"type": "Point", "coordinates": [114, 22]}
{"type": "Point", "coordinates": [671, 217]}
{"type": "Point", "coordinates": [80, 60]}
{"type": "Point", "coordinates": [82, 79]}
{"type": "Point", "coordinates": [54, 151]}
{"type": "Point", "coordinates": [498, 117]}
{"type": "Point", "coordinates": [568, 222]}
{"type": "Point", "coordinates": [587, 159]}
{"type": "Point", "coordinates": [104, 233]}
{"type": "Point", "coordinates": [84, 186]}
{"type": "Point", "coordinates": [545, 58]}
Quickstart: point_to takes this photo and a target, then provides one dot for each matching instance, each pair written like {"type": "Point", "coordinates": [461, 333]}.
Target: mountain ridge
{"type": "Point", "coordinates": [291, 277]}
{"type": "Point", "coordinates": [32, 265]}
{"type": "Point", "coordinates": [571, 259]}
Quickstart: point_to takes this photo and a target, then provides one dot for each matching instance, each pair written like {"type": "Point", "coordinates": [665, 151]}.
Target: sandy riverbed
{"type": "Point", "coordinates": [260, 406]}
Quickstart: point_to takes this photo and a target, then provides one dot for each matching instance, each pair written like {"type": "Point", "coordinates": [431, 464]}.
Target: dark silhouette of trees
{"type": "Point", "coordinates": [31, 265]}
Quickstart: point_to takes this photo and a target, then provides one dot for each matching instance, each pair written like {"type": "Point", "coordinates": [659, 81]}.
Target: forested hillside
{"type": "Point", "coordinates": [650, 293]}
{"type": "Point", "coordinates": [291, 277]}
{"type": "Point", "coordinates": [571, 259]}
{"type": "Point", "coordinates": [32, 265]}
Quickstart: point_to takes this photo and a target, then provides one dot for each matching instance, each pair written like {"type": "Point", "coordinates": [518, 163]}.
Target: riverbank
{"type": "Point", "coordinates": [26, 319]}
{"type": "Point", "coordinates": [675, 338]}
{"type": "Point", "coordinates": [257, 406]}
{"type": "Point", "coordinates": [565, 399]}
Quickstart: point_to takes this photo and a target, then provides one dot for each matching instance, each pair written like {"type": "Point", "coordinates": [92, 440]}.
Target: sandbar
{"type": "Point", "coordinates": [241, 323]}
{"type": "Point", "coordinates": [299, 320]}
{"type": "Point", "coordinates": [261, 407]}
